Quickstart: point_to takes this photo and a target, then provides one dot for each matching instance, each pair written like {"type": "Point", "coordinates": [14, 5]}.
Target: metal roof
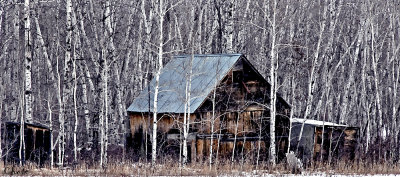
{"type": "Point", "coordinates": [207, 70]}
{"type": "Point", "coordinates": [317, 122]}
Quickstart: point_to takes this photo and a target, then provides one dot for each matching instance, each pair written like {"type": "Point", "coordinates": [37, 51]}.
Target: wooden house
{"type": "Point", "coordinates": [228, 100]}
{"type": "Point", "coordinates": [322, 140]}
{"type": "Point", "coordinates": [36, 138]}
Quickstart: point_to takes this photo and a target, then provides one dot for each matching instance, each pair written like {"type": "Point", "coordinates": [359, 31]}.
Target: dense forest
{"type": "Point", "coordinates": [75, 65]}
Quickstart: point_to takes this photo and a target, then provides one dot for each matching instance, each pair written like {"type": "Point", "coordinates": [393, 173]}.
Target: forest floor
{"type": "Point", "coordinates": [173, 169]}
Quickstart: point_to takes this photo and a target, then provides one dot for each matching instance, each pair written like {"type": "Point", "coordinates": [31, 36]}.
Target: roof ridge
{"type": "Point", "coordinates": [208, 55]}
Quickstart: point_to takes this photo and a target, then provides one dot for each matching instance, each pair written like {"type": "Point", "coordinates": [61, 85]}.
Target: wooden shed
{"type": "Point", "coordinates": [37, 142]}
{"type": "Point", "coordinates": [228, 104]}
{"type": "Point", "coordinates": [322, 140]}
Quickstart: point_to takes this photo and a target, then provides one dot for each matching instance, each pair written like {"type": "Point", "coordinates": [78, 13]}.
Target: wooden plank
{"type": "Point", "coordinates": [200, 149]}
{"type": "Point", "coordinates": [193, 150]}
{"type": "Point", "coordinates": [136, 120]}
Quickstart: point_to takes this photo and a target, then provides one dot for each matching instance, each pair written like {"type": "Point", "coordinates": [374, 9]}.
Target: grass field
{"type": "Point", "coordinates": [171, 168]}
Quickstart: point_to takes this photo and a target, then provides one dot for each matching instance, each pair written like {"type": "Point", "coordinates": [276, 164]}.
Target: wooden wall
{"type": "Point", "coordinates": [246, 125]}
{"type": "Point", "coordinates": [37, 143]}
{"type": "Point", "coordinates": [339, 143]}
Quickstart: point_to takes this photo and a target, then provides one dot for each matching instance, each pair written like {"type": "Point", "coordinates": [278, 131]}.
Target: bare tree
{"type": "Point", "coordinates": [28, 62]}
{"type": "Point", "coordinates": [273, 81]}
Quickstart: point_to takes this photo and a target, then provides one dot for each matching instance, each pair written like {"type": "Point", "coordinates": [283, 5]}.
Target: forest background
{"type": "Point", "coordinates": [75, 65]}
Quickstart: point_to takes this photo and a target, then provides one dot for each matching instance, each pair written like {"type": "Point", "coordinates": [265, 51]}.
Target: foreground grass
{"type": "Point", "coordinates": [172, 168]}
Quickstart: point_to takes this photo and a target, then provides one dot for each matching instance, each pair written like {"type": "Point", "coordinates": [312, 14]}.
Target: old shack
{"type": "Point", "coordinates": [323, 140]}
{"type": "Point", "coordinates": [36, 142]}
{"type": "Point", "coordinates": [228, 103]}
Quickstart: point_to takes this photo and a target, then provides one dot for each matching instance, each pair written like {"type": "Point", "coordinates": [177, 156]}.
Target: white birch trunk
{"type": "Point", "coordinates": [51, 131]}
{"type": "Point", "coordinates": [148, 25]}
{"type": "Point", "coordinates": [212, 121]}
{"type": "Point", "coordinates": [199, 29]}
{"type": "Point", "coordinates": [110, 49]}
{"type": "Point", "coordinates": [184, 143]}
{"type": "Point", "coordinates": [106, 128]}
{"type": "Point", "coordinates": [186, 118]}
{"type": "Point", "coordinates": [28, 63]}
{"type": "Point", "coordinates": [213, 28]}
{"type": "Point", "coordinates": [273, 69]}
{"type": "Point", "coordinates": [228, 28]}
{"type": "Point", "coordinates": [61, 133]}
{"type": "Point", "coordinates": [16, 61]}
{"type": "Point", "coordinates": [154, 134]}
{"type": "Point", "coordinates": [86, 110]}
{"type": "Point", "coordinates": [156, 89]}
{"type": "Point", "coordinates": [21, 152]}
{"type": "Point", "coordinates": [75, 86]}
{"type": "Point", "coordinates": [1, 118]}
{"type": "Point", "coordinates": [102, 115]}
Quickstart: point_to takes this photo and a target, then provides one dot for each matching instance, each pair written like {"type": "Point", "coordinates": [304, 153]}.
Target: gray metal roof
{"type": "Point", "coordinates": [207, 70]}
{"type": "Point", "coordinates": [317, 122]}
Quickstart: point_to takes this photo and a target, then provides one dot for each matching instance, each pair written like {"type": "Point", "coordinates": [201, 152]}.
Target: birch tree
{"type": "Point", "coordinates": [28, 62]}
{"type": "Point", "coordinates": [227, 35]}
{"type": "Point", "coordinates": [186, 117]}
{"type": "Point", "coordinates": [157, 79]}
{"type": "Point", "coordinates": [273, 81]}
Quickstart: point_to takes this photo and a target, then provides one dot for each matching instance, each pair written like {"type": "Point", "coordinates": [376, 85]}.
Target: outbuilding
{"type": "Point", "coordinates": [228, 104]}
{"type": "Point", "coordinates": [36, 142]}
{"type": "Point", "coordinates": [322, 140]}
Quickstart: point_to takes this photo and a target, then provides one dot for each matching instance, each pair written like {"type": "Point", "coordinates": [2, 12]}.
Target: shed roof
{"type": "Point", "coordinates": [317, 122]}
{"type": "Point", "coordinates": [207, 70]}
{"type": "Point", "coordinates": [33, 124]}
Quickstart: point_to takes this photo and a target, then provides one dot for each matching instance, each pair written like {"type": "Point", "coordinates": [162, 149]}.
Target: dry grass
{"type": "Point", "coordinates": [172, 168]}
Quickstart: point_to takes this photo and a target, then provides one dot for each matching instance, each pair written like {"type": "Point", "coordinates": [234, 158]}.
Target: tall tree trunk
{"type": "Point", "coordinates": [16, 62]}
{"type": "Point", "coordinates": [273, 76]}
{"type": "Point", "coordinates": [1, 117]}
{"type": "Point", "coordinates": [161, 14]}
{"type": "Point", "coordinates": [212, 121]}
{"type": "Point", "coordinates": [50, 118]}
{"type": "Point", "coordinates": [186, 119]}
{"type": "Point", "coordinates": [21, 152]}
{"type": "Point", "coordinates": [68, 66]}
{"type": "Point", "coordinates": [227, 34]}
{"type": "Point", "coordinates": [28, 63]}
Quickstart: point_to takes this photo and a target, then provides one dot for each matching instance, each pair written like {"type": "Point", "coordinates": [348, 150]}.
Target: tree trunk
{"type": "Point", "coordinates": [51, 130]}
{"type": "Point", "coordinates": [156, 89]}
{"type": "Point", "coordinates": [273, 74]}
{"type": "Point", "coordinates": [28, 63]}
{"type": "Point", "coordinates": [227, 34]}
{"type": "Point", "coordinates": [21, 152]}
{"type": "Point", "coordinates": [212, 121]}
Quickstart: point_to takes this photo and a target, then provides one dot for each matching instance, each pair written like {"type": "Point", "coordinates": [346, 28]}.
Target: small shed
{"type": "Point", "coordinates": [36, 138]}
{"type": "Point", "coordinates": [323, 140]}
{"type": "Point", "coordinates": [228, 100]}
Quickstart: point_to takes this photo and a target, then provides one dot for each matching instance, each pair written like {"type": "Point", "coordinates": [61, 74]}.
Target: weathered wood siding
{"type": "Point", "coordinates": [37, 142]}
{"type": "Point", "coordinates": [240, 111]}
